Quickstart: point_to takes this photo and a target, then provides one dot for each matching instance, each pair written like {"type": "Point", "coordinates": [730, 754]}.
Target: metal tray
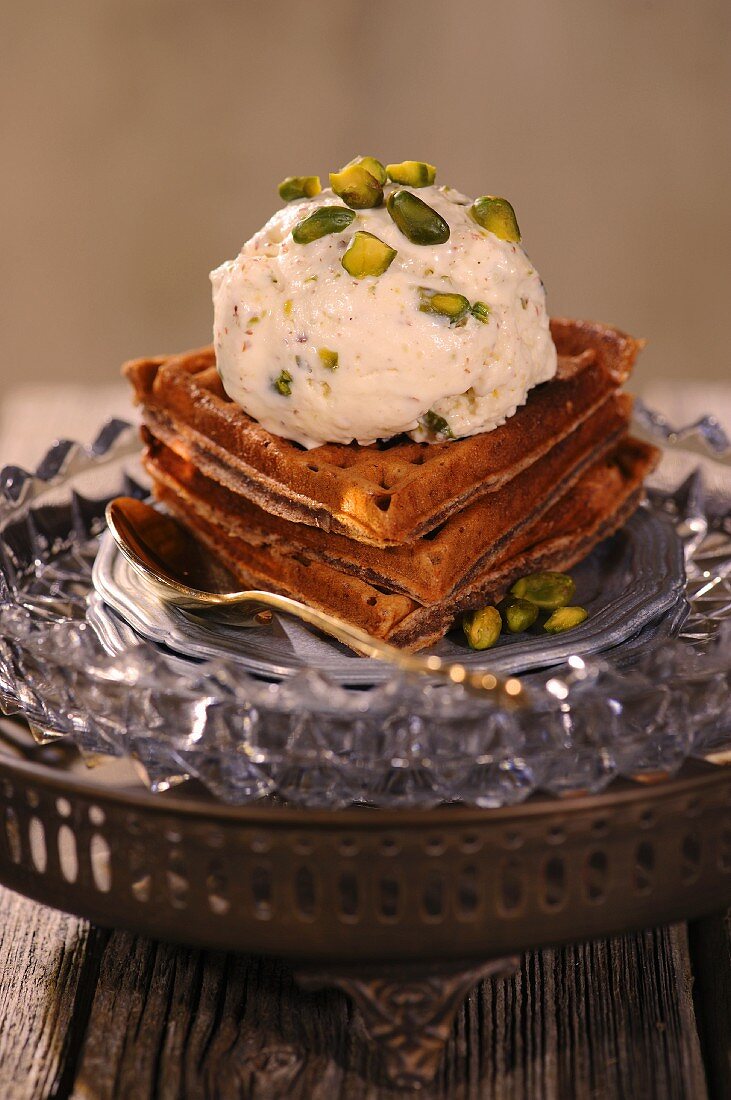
{"type": "Point", "coordinates": [404, 910]}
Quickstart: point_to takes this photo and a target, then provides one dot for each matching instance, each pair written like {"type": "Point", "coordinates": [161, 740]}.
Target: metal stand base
{"type": "Point", "coordinates": [408, 1008]}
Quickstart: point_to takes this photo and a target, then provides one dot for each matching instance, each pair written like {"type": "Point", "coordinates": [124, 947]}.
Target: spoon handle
{"type": "Point", "coordinates": [150, 540]}
{"type": "Point", "coordinates": [508, 691]}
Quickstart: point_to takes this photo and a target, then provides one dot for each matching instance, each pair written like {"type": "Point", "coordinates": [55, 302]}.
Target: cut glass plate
{"type": "Point", "coordinates": [660, 693]}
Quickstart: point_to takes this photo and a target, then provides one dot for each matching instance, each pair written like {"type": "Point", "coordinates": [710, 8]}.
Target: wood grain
{"type": "Point", "coordinates": [87, 1014]}
{"type": "Point", "coordinates": [608, 1019]}
{"type": "Point", "coordinates": [47, 963]}
{"type": "Point", "coordinates": [710, 949]}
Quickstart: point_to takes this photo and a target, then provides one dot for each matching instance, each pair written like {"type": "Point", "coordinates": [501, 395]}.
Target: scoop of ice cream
{"type": "Point", "coordinates": [445, 343]}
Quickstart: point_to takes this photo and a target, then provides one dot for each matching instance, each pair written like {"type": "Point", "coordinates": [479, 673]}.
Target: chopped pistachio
{"type": "Point", "coordinates": [367, 255]}
{"type": "Point", "coordinates": [481, 312]}
{"type": "Point", "coordinates": [328, 219]}
{"type": "Point", "coordinates": [288, 307]}
{"type": "Point", "coordinates": [524, 303]}
{"type": "Point", "coordinates": [454, 306]}
{"type": "Point", "coordinates": [565, 618]}
{"type": "Point", "coordinates": [482, 628]}
{"type": "Point", "coordinates": [357, 187]}
{"type": "Point", "coordinates": [283, 384]}
{"type": "Point", "coordinates": [371, 165]}
{"type": "Point", "coordinates": [436, 426]}
{"type": "Point", "coordinates": [311, 279]}
{"type": "Point", "coordinates": [518, 615]}
{"type": "Point", "coordinates": [254, 320]}
{"type": "Point", "coordinates": [417, 221]}
{"type": "Point", "coordinates": [454, 196]}
{"type": "Point", "coordinates": [496, 215]}
{"type": "Point", "coordinates": [326, 389]}
{"type": "Point", "coordinates": [413, 173]}
{"type": "Point", "coordinates": [471, 397]}
{"type": "Point", "coordinates": [299, 187]}
{"type": "Point", "coordinates": [328, 358]}
{"type": "Point", "coordinates": [547, 590]}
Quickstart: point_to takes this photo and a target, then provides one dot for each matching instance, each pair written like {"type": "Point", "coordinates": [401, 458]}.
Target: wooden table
{"type": "Point", "coordinates": [88, 1013]}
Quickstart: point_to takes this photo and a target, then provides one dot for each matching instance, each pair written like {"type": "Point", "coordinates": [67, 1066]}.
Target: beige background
{"type": "Point", "coordinates": [142, 141]}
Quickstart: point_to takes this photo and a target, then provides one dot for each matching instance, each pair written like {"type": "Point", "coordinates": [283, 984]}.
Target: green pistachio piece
{"type": "Point", "coordinates": [454, 306]}
{"type": "Point", "coordinates": [481, 312]}
{"type": "Point", "coordinates": [328, 219]}
{"type": "Point", "coordinates": [355, 185]}
{"type": "Point", "coordinates": [518, 615]}
{"type": "Point", "coordinates": [547, 590]}
{"type": "Point", "coordinates": [482, 628]}
{"type": "Point", "coordinates": [328, 358]}
{"type": "Point", "coordinates": [436, 426]}
{"type": "Point", "coordinates": [299, 187]}
{"type": "Point", "coordinates": [283, 384]}
{"type": "Point", "coordinates": [417, 221]}
{"type": "Point", "coordinates": [412, 173]}
{"type": "Point", "coordinates": [367, 255]}
{"type": "Point", "coordinates": [497, 215]}
{"type": "Point", "coordinates": [565, 618]}
{"type": "Point", "coordinates": [371, 165]}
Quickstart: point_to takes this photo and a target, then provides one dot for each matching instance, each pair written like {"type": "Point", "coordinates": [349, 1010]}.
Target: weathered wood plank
{"type": "Point", "coordinates": [47, 968]}
{"type": "Point", "coordinates": [710, 952]}
{"type": "Point", "coordinates": [604, 1020]}
{"type": "Point", "coordinates": [608, 1020]}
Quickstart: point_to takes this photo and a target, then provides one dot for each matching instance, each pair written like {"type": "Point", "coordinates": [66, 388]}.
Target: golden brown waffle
{"type": "Point", "coordinates": [431, 567]}
{"type": "Point", "coordinates": [602, 499]}
{"type": "Point", "coordinates": [384, 494]}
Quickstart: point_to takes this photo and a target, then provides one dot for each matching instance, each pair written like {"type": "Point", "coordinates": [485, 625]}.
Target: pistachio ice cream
{"type": "Point", "coordinates": [381, 305]}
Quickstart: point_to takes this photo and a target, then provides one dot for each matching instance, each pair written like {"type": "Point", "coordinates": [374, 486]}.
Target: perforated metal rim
{"type": "Point", "coordinates": [368, 887]}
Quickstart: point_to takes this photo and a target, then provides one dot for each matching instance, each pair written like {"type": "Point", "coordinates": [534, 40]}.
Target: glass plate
{"type": "Point", "coordinates": [660, 693]}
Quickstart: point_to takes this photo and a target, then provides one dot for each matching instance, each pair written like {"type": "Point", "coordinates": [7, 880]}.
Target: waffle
{"type": "Point", "coordinates": [433, 566]}
{"type": "Point", "coordinates": [386, 494]}
{"type": "Point", "coordinates": [599, 502]}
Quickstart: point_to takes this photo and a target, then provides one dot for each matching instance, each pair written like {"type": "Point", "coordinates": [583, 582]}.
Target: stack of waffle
{"type": "Point", "coordinates": [399, 538]}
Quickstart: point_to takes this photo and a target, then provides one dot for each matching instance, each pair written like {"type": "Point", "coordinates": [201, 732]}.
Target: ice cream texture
{"type": "Point", "coordinates": [443, 340]}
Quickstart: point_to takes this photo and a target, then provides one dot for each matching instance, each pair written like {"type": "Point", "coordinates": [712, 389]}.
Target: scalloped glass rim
{"type": "Point", "coordinates": [401, 743]}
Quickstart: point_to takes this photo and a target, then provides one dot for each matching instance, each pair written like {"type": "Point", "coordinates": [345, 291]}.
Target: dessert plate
{"type": "Point", "coordinates": [632, 584]}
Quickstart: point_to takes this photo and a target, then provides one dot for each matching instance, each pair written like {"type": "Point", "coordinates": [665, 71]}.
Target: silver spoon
{"type": "Point", "coordinates": [181, 573]}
